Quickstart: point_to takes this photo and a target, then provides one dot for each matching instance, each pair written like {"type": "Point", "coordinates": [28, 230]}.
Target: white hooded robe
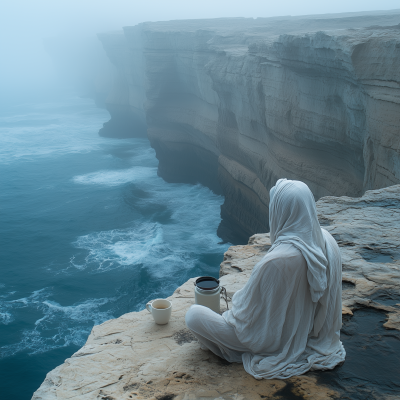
{"type": "Point", "coordinates": [286, 320]}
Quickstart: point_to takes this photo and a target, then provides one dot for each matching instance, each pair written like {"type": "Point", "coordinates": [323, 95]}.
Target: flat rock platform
{"type": "Point", "coordinates": [133, 358]}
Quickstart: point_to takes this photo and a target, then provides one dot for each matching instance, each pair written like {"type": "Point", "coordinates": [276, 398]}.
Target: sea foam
{"type": "Point", "coordinates": [116, 177]}
{"type": "Point", "coordinates": [59, 326]}
{"type": "Point", "coordinates": [91, 213]}
{"type": "Point", "coordinates": [120, 247]}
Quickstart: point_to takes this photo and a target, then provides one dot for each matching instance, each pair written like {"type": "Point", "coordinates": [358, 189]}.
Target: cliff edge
{"type": "Point", "coordinates": [133, 358]}
{"type": "Point", "coordinates": [237, 103]}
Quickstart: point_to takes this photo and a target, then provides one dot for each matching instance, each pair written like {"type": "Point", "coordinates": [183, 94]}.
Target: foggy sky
{"type": "Point", "coordinates": [24, 23]}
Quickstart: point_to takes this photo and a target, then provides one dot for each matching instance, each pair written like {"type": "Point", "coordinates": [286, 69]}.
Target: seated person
{"type": "Point", "coordinates": [286, 320]}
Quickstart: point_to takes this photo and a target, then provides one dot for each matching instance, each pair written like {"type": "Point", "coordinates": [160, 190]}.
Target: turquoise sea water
{"type": "Point", "coordinates": [88, 231]}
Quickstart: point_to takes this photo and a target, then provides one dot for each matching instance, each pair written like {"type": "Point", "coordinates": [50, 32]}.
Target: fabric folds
{"type": "Point", "coordinates": [287, 317]}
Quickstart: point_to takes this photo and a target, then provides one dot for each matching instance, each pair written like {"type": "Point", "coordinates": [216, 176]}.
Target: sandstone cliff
{"type": "Point", "coordinates": [238, 103]}
{"type": "Point", "coordinates": [132, 358]}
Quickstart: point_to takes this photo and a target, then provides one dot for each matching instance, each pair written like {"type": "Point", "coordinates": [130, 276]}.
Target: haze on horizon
{"type": "Point", "coordinates": [24, 24]}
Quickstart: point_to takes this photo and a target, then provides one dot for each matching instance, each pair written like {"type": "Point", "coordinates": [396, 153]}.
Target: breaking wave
{"type": "Point", "coordinates": [59, 326]}
{"type": "Point", "coordinates": [91, 231]}
{"type": "Point", "coordinates": [116, 177]}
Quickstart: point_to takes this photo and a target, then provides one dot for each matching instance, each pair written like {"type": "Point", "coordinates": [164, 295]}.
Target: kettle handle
{"type": "Point", "coordinates": [225, 296]}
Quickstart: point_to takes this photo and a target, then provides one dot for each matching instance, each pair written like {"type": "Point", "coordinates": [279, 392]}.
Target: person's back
{"type": "Point", "coordinates": [286, 319]}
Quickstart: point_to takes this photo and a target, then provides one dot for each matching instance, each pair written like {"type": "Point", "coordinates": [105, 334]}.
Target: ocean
{"type": "Point", "coordinates": [88, 232]}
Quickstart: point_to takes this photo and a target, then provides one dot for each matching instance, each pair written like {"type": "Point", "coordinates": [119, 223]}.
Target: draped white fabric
{"type": "Point", "coordinates": [288, 316]}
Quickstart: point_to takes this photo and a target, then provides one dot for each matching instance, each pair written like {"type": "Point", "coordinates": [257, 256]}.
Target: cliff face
{"type": "Point", "coordinates": [125, 100]}
{"type": "Point", "coordinates": [133, 358]}
{"type": "Point", "coordinates": [238, 103]}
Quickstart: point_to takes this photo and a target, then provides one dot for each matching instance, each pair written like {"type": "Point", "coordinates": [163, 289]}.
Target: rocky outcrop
{"type": "Point", "coordinates": [125, 100]}
{"type": "Point", "coordinates": [238, 103]}
{"type": "Point", "coordinates": [132, 358]}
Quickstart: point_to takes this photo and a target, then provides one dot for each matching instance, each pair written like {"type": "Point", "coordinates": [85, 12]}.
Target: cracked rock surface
{"type": "Point", "coordinates": [133, 358]}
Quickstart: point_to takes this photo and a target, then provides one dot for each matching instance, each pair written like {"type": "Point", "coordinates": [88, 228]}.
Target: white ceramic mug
{"type": "Point", "coordinates": [160, 309]}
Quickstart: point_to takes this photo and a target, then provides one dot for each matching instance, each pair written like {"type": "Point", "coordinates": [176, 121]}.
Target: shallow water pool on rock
{"type": "Point", "coordinates": [372, 366]}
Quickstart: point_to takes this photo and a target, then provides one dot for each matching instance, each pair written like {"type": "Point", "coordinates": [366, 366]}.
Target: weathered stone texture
{"type": "Point", "coordinates": [314, 98]}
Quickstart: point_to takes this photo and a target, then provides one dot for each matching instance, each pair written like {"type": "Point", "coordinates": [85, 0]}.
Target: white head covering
{"type": "Point", "coordinates": [293, 219]}
{"type": "Point", "coordinates": [289, 312]}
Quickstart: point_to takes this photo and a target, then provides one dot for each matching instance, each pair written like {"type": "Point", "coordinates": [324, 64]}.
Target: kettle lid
{"type": "Point", "coordinates": [207, 283]}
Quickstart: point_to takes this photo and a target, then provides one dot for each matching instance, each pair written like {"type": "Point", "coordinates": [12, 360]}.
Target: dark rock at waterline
{"type": "Point", "coordinates": [124, 123]}
{"type": "Point", "coordinates": [186, 163]}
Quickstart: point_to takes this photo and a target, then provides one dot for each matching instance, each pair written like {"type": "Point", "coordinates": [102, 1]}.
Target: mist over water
{"type": "Point", "coordinates": [69, 29]}
{"type": "Point", "coordinates": [88, 232]}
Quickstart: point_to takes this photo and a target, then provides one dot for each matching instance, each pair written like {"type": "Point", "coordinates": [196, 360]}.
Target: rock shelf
{"type": "Point", "coordinates": [133, 358]}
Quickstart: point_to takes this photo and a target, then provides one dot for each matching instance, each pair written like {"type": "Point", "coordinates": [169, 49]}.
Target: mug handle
{"type": "Point", "coordinates": [148, 306]}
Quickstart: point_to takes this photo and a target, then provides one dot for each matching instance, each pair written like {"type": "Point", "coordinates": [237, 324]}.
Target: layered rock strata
{"type": "Point", "coordinates": [248, 101]}
{"type": "Point", "coordinates": [132, 358]}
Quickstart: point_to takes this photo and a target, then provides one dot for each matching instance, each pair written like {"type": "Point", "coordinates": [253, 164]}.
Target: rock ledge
{"type": "Point", "coordinates": [132, 358]}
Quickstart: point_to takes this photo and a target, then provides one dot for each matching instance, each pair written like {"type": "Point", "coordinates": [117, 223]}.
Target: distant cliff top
{"type": "Point", "coordinates": [237, 103]}
{"type": "Point", "coordinates": [279, 25]}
